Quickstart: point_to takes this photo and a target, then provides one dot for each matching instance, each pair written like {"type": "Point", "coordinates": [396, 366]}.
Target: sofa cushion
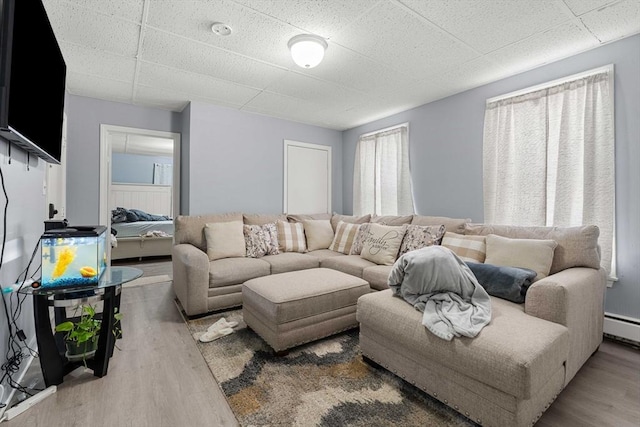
{"type": "Point", "coordinates": [344, 237]}
{"type": "Point", "coordinates": [261, 219]}
{"type": "Point", "coordinates": [291, 237]}
{"type": "Point", "coordinates": [577, 246]}
{"type": "Point", "coordinates": [324, 253]}
{"type": "Point", "coordinates": [377, 276]}
{"type": "Point", "coordinates": [318, 232]}
{"type": "Point", "coordinates": [302, 217]}
{"type": "Point", "coordinates": [350, 264]}
{"type": "Point", "coordinates": [224, 239]}
{"type": "Point", "coordinates": [468, 248]}
{"type": "Point", "coordinates": [351, 219]}
{"type": "Point", "coordinates": [190, 228]}
{"type": "Point", "coordinates": [291, 261]}
{"type": "Point", "coordinates": [233, 271]}
{"type": "Point", "coordinates": [392, 219]}
{"type": "Point", "coordinates": [454, 225]}
{"type": "Point", "coordinates": [515, 353]}
{"type": "Point", "coordinates": [534, 254]}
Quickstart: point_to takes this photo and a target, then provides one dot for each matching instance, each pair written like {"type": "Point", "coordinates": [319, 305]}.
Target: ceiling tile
{"type": "Point", "coordinates": [282, 105]}
{"type": "Point", "coordinates": [579, 7]}
{"type": "Point", "coordinates": [301, 86]}
{"type": "Point", "coordinates": [98, 87]}
{"type": "Point", "coordinates": [82, 26]}
{"type": "Point", "coordinates": [127, 9]}
{"type": "Point", "coordinates": [194, 85]}
{"type": "Point", "coordinates": [324, 18]}
{"type": "Point", "coordinates": [397, 38]}
{"type": "Point", "coordinates": [188, 55]}
{"type": "Point", "coordinates": [613, 22]}
{"type": "Point", "coordinates": [472, 74]}
{"type": "Point", "coordinates": [253, 34]}
{"type": "Point", "coordinates": [85, 60]}
{"type": "Point", "coordinates": [160, 98]}
{"type": "Point", "coordinates": [490, 25]}
{"type": "Point", "coordinates": [552, 45]}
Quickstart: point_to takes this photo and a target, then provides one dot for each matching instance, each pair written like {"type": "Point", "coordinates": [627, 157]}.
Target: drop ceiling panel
{"type": "Point", "coordinates": [472, 74]}
{"type": "Point", "coordinates": [579, 7]}
{"type": "Point", "coordinates": [301, 86]}
{"type": "Point", "coordinates": [614, 21]}
{"type": "Point", "coordinates": [86, 60]}
{"type": "Point", "coordinates": [127, 9]}
{"type": "Point", "coordinates": [74, 24]}
{"type": "Point", "coordinates": [391, 35]}
{"type": "Point", "coordinates": [490, 25]}
{"type": "Point", "coordinates": [283, 105]}
{"type": "Point", "coordinates": [188, 55]}
{"type": "Point", "coordinates": [324, 18]}
{"type": "Point", "coordinates": [98, 87]}
{"type": "Point", "coordinates": [253, 34]}
{"type": "Point", "coordinates": [194, 85]}
{"type": "Point", "coordinates": [160, 98]}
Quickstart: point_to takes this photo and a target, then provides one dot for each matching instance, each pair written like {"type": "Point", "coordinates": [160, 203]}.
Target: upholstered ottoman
{"type": "Point", "coordinates": [293, 308]}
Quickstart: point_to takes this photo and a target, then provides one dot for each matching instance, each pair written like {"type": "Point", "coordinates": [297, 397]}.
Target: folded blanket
{"type": "Point", "coordinates": [436, 281]}
{"type": "Point", "coordinates": [134, 215]}
{"type": "Point", "coordinates": [508, 283]}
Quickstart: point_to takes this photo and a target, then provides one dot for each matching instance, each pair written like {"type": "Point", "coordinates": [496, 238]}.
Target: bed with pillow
{"type": "Point", "coordinates": [139, 234]}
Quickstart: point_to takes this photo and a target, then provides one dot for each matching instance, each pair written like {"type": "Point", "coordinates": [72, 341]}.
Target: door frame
{"type": "Point", "coordinates": [105, 165]}
{"type": "Point", "coordinates": [327, 149]}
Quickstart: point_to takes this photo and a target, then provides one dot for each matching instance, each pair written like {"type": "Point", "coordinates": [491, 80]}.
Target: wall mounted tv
{"type": "Point", "coordinates": [32, 79]}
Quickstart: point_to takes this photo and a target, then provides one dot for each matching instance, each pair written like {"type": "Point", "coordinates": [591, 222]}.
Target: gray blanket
{"type": "Point", "coordinates": [434, 280]}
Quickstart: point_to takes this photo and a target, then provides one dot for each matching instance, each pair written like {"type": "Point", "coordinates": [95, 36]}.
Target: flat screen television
{"type": "Point", "coordinates": [32, 79]}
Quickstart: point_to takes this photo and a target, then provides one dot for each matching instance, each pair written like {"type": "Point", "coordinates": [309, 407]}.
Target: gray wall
{"type": "Point", "coordinates": [85, 115]}
{"type": "Point", "coordinates": [237, 159]}
{"type": "Point", "coordinates": [185, 160]}
{"type": "Point", "coordinates": [25, 216]}
{"type": "Point", "coordinates": [135, 168]}
{"type": "Point", "coordinates": [446, 154]}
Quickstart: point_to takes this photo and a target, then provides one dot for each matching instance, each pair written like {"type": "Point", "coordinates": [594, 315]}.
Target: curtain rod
{"type": "Point", "coordinates": [556, 82]}
{"type": "Point", "coordinates": [385, 129]}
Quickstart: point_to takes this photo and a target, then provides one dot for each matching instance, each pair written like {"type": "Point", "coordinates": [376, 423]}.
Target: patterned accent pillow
{"type": "Point", "coordinates": [383, 243]}
{"type": "Point", "coordinates": [261, 240]}
{"type": "Point", "coordinates": [468, 248]}
{"type": "Point", "coordinates": [344, 237]}
{"type": "Point", "coordinates": [420, 236]}
{"type": "Point", "coordinates": [291, 237]}
{"type": "Point", "coordinates": [361, 236]}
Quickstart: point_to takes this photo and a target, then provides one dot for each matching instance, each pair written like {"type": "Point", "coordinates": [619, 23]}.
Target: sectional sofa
{"type": "Point", "coordinates": [506, 376]}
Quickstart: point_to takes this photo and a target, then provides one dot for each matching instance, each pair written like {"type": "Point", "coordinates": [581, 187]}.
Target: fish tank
{"type": "Point", "coordinates": [73, 256]}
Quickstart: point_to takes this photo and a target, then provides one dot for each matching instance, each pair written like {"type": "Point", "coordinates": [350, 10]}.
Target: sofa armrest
{"type": "Point", "coordinates": [574, 298]}
{"type": "Point", "coordinates": [190, 278]}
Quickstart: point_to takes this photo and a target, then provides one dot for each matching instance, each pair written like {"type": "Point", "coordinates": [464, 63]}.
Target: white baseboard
{"type": "Point", "coordinates": [8, 391]}
{"type": "Point", "coordinates": [622, 326]}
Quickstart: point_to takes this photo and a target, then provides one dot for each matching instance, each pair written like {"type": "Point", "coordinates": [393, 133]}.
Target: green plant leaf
{"type": "Point", "coordinates": [64, 327]}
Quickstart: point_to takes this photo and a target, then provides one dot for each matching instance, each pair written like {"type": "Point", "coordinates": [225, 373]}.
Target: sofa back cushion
{"type": "Point", "coordinates": [262, 219]}
{"type": "Point", "coordinates": [190, 228]}
{"type": "Point", "coordinates": [577, 246]}
{"type": "Point", "coordinates": [454, 225]}
{"type": "Point", "coordinates": [351, 219]}
{"type": "Point", "coordinates": [302, 217]}
{"type": "Point", "coordinates": [392, 219]}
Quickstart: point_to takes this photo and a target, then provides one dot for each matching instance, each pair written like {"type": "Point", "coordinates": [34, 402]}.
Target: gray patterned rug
{"type": "Point", "coordinates": [325, 383]}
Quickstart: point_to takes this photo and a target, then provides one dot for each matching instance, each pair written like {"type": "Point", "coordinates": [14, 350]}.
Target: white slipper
{"type": "Point", "coordinates": [222, 323]}
{"type": "Point", "coordinates": [214, 335]}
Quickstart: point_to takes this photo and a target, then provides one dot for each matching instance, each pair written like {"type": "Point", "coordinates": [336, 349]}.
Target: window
{"type": "Point", "coordinates": [548, 157]}
{"type": "Point", "coordinates": [381, 175]}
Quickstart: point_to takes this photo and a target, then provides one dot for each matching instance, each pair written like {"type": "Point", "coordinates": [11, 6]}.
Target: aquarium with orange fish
{"type": "Point", "coordinates": [73, 256]}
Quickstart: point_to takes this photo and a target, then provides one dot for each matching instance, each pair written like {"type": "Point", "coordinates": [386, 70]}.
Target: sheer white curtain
{"type": "Point", "coordinates": [548, 158]}
{"type": "Point", "coordinates": [162, 173]}
{"type": "Point", "coordinates": [381, 175]}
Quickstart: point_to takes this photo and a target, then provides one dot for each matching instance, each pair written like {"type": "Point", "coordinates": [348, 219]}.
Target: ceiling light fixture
{"type": "Point", "coordinates": [307, 50]}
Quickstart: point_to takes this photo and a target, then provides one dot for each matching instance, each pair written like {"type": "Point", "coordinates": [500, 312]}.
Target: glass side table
{"type": "Point", "coordinates": [51, 347]}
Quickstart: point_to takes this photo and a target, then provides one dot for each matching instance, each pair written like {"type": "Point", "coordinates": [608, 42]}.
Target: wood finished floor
{"type": "Point", "coordinates": [159, 378]}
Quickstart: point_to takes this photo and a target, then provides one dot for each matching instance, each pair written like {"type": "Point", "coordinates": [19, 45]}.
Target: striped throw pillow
{"type": "Point", "coordinates": [468, 248]}
{"type": "Point", "coordinates": [344, 237]}
{"type": "Point", "coordinates": [291, 237]}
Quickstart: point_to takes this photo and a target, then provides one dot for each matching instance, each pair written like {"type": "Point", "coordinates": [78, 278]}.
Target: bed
{"type": "Point", "coordinates": [140, 239]}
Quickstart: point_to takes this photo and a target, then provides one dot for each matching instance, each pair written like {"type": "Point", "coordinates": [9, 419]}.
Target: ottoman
{"type": "Point", "coordinates": [293, 308]}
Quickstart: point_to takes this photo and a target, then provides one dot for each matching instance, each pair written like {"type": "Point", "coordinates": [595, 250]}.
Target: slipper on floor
{"type": "Point", "coordinates": [215, 334]}
{"type": "Point", "coordinates": [222, 323]}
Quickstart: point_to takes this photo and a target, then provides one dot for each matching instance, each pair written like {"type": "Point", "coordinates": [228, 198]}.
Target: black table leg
{"type": "Point", "coordinates": [106, 339]}
{"type": "Point", "coordinates": [51, 361]}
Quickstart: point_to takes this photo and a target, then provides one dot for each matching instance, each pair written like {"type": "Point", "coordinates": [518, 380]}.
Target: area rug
{"type": "Point", "coordinates": [325, 383]}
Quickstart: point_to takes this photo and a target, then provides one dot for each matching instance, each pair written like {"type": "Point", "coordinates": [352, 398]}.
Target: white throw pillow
{"type": "Point", "coordinates": [319, 233]}
{"type": "Point", "coordinates": [534, 254]}
{"type": "Point", "coordinates": [224, 240]}
{"type": "Point", "coordinates": [382, 244]}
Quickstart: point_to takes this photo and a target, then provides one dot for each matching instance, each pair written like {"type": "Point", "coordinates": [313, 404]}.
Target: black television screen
{"type": "Point", "coordinates": [33, 80]}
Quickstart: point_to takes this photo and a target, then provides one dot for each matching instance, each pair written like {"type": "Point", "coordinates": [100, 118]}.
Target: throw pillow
{"type": "Point", "coordinates": [261, 240]}
{"type": "Point", "coordinates": [224, 239]}
{"type": "Point", "coordinates": [361, 236]}
{"type": "Point", "coordinates": [344, 237]}
{"type": "Point", "coordinates": [533, 254]}
{"type": "Point", "coordinates": [420, 236]}
{"type": "Point", "coordinates": [468, 248]}
{"type": "Point", "coordinates": [508, 283]}
{"type": "Point", "coordinates": [383, 243]}
{"type": "Point", "coordinates": [291, 237]}
{"type": "Point", "coordinates": [319, 233]}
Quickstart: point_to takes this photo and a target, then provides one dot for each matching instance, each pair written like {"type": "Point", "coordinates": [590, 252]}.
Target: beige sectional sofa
{"type": "Point", "coordinates": [506, 376]}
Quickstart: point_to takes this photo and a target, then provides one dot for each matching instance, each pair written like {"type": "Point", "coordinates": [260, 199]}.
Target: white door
{"type": "Point", "coordinates": [56, 182]}
{"type": "Point", "coordinates": [307, 178]}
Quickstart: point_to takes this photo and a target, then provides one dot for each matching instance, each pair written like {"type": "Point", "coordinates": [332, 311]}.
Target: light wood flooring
{"type": "Point", "coordinates": [159, 378]}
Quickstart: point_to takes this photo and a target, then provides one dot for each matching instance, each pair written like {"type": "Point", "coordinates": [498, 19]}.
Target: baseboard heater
{"type": "Point", "coordinates": [627, 328]}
